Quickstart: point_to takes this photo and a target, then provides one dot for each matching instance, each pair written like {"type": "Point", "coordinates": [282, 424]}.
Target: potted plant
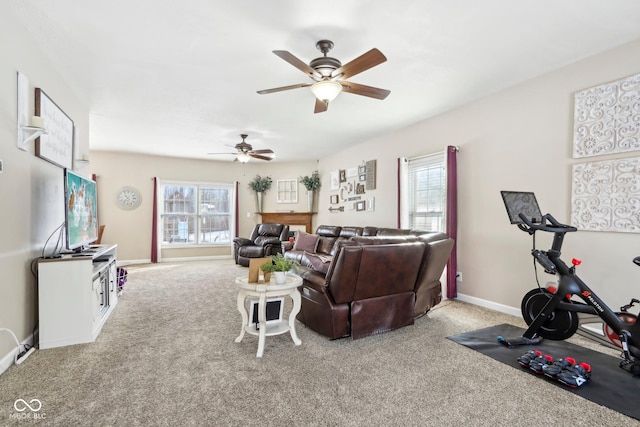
{"type": "Point", "coordinates": [260, 184]}
{"type": "Point", "coordinates": [311, 183]}
{"type": "Point", "coordinates": [279, 266]}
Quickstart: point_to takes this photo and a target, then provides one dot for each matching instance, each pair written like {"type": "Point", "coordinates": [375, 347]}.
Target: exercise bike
{"type": "Point", "coordinates": [552, 312]}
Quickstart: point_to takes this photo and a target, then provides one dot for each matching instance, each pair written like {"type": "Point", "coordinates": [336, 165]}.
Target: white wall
{"type": "Point", "coordinates": [518, 139]}
{"type": "Point", "coordinates": [131, 230]}
{"type": "Point", "coordinates": [31, 189]}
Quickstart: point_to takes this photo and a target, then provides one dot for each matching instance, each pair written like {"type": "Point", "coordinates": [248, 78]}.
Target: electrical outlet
{"type": "Point", "coordinates": [459, 276]}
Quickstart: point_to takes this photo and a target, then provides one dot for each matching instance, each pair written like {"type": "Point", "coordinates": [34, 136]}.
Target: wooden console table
{"type": "Point", "coordinates": [290, 218]}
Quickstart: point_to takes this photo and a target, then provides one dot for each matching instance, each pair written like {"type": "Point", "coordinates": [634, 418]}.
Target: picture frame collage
{"type": "Point", "coordinates": [351, 185]}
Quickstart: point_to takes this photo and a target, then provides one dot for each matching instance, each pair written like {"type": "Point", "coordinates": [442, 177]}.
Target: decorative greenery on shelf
{"type": "Point", "coordinates": [261, 184]}
{"type": "Point", "coordinates": [279, 263]}
{"type": "Point", "coordinates": [312, 182]}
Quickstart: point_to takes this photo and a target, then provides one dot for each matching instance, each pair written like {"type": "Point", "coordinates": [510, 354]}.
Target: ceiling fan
{"type": "Point", "coordinates": [330, 75]}
{"type": "Point", "coordinates": [246, 151]}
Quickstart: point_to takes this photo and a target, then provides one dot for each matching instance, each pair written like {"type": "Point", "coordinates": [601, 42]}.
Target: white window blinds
{"type": "Point", "coordinates": [427, 192]}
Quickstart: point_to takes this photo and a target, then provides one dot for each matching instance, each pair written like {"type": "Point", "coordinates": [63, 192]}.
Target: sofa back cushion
{"type": "Point", "coordinates": [439, 247]}
{"type": "Point", "coordinates": [393, 232]}
{"type": "Point", "coordinates": [329, 230]}
{"type": "Point", "coordinates": [348, 232]}
{"type": "Point", "coordinates": [369, 231]}
{"type": "Point", "coordinates": [383, 240]}
{"type": "Point", "coordinates": [367, 271]}
{"type": "Point", "coordinates": [270, 229]}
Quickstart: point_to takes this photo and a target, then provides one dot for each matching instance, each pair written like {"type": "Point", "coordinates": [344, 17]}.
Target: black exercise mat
{"type": "Point", "coordinates": [609, 385]}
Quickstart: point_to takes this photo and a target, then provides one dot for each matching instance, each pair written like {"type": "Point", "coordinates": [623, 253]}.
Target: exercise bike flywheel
{"type": "Point", "coordinates": [560, 324]}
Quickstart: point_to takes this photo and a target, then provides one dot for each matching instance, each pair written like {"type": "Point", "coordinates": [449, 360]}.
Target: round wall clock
{"type": "Point", "coordinates": [129, 198]}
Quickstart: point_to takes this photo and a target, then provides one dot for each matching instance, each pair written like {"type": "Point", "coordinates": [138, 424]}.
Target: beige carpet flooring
{"type": "Point", "coordinates": [167, 357]}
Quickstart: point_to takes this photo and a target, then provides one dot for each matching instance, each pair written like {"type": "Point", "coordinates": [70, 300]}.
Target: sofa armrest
{"type": "Point", "coordinates": [241, 241]}
{"type": "Point", "coordinates": [286, 246]}
{"type": "Point", "coordinates": [272, 241]}
{"type": "Point", "coordinates": [312, 279]}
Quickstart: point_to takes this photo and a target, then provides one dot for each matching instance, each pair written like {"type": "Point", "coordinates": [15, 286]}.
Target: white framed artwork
{"type": "Point", "coordinates": [607, 118]}
{"type": "Point", "coordinates": [287, 191]}
{"type": "Point", "coordinates": [335, 180]}
{"type": "Point", "coordinates": [606, 195]}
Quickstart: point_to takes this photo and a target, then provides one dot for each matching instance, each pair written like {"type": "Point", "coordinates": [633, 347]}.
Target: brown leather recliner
{"type": "Point", "coordinates": [265, 240]}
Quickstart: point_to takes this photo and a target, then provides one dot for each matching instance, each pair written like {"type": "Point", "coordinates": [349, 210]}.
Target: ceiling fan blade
{"type": "Point", "coordinates": [222, 153]}
{"type": "Point", "coordinates": [358, 89]}
{"type": "Point", "coordinates": [293, 60]}
{"type": "Point", "coordinates": [321, 106]}
{"type": "Point", "coordinates": [362, 63]}
{"type": "Point", "coordinates": [258, 156]}
{"type": "Point", "coordinates": [265, 151]}
{"type": "Point", "coordinates": [280, 89]}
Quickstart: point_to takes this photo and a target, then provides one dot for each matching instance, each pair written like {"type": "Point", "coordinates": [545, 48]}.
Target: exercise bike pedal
{"type": "Point", "coordinates": [518, 341]}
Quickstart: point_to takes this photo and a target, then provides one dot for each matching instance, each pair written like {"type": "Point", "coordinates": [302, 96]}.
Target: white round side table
{"type": "Point", "coordinates": [263, 291]}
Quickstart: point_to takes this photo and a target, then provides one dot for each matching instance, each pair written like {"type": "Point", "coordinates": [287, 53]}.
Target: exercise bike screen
{"type": "Point", "coordinates": [524, 202]}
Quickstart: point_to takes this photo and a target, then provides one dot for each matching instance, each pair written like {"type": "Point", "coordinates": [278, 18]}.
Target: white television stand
{"type": "Point", "coordinates": [76, 295]}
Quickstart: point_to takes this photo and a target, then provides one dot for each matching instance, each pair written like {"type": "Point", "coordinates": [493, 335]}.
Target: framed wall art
{"type": "Point", "coordinates": [335, 180]}
{"type": "Point", "coordinates": [57, 145]}
{"type": "Point", "coordinates": [287, 191]}
{"type": "Point", "coordinates": [606, 195]}
{"type": "Point", "coordinates": [370, 172]}
{"type": "Point", "coordinates": [607, 118]}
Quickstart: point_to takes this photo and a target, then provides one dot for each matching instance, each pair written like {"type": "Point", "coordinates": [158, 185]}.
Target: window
{"type": "Point", "coordinates": [427, 195]}
{"type": "Point", "coordinates": [196, 213]}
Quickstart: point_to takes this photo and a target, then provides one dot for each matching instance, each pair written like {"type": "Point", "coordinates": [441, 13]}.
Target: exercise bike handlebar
{"type": "Point", "coordinates": [547, 223]}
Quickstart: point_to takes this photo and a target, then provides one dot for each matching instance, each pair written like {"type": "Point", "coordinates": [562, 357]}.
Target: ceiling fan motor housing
{"type": "Point", "coordinates": [325, 65]}
{"type": "Point", "coordinates": [244, 147]}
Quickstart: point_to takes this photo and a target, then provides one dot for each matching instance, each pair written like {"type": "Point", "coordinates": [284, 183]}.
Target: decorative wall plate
{"type": "Point", "coordinates": [129, 198]}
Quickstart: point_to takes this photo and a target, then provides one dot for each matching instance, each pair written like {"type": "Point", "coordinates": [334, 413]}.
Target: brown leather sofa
{"type": "Point", "coordinates": [363, 281]}
{"type": "Point", "coordinates": [265, 240]}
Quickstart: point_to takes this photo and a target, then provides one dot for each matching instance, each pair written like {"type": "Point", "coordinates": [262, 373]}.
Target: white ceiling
{"type": "Point", "coordinates": [179, 78]}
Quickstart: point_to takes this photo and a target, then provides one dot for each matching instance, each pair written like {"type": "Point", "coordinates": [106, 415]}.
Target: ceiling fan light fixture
{"type": "Point", "coordinates": [243, 157]}
{"type": "Point", "coordinates": [326, 90]}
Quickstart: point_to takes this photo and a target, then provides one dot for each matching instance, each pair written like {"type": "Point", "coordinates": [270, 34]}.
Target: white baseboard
{"type": "Point", "coordinates": [199, 258]}
{"type": "Point", "coordinates": [490, 305]}
{"type": "Point", "coordinates": [9, 359]}
{"type": "Point", "coordinates": [124, 263]}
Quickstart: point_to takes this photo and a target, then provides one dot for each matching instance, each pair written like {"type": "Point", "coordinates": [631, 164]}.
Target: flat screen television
{"type": "Point", "coordinates": [81, 211]}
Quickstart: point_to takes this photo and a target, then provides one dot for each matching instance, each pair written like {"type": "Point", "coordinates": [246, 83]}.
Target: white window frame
{"type": "Point", "coordinates": [434, 190]}
{"type": "Point", "coordinates": [198, 216]}
{"type": "Point", "coordinates": [287, 191]}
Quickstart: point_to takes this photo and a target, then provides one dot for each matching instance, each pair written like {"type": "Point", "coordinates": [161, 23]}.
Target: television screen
{"type": "Point", "coordinates": [81, 211]}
